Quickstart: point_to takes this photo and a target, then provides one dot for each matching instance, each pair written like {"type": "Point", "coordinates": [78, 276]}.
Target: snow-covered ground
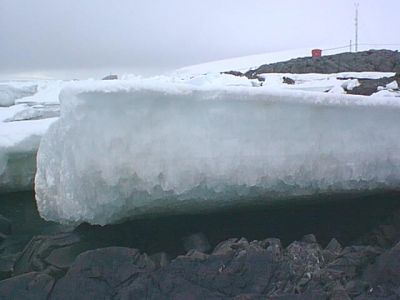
{"type": "Point", "coordinates": [34, 107]}
{"type": "Point", "coordinates": [334, 83]}
{"type": "Point", "coordinates": [241, 63]}
{"type": "Point", "coordinates": [246, 63]}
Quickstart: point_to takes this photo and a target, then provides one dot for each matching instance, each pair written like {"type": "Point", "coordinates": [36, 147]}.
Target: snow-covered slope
{"type": "Point", "coordinates": [128, 149]}
{"type": "Point", "coordinates": [243, 63]}
{"type": "Point", "coordinates": [246, 63]}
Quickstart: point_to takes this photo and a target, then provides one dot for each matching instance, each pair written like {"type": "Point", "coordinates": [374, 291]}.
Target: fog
{"type": "Point", "coordinates": [71, 38]}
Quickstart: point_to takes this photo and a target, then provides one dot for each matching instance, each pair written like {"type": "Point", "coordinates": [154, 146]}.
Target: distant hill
{"type": "Point", "coordinates": [366, 61]}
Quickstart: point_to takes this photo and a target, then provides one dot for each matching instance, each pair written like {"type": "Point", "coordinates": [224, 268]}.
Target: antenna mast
{"type": "Point", "coordinates": [356, 26]}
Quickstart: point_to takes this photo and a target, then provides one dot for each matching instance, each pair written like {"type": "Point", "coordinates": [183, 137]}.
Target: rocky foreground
{"type": "Point", "coordinates": [49, 268]}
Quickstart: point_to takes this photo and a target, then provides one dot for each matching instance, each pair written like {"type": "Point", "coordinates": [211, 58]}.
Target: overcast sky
{"type": "Point", "coordinates": [63, 36]}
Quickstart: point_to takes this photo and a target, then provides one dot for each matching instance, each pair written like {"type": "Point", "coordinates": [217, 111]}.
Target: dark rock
{"type": "Point", "coordinates": [273, 246]}
{"type": "Point", "coordinates": [311, 295]}
{"type": "Point", "coordinates": [197, 255]}
{"type": "Point", "coordinates": [110, 77]}
{"type": "Point", "coordinates": [236, 269]}
{"type": "Point", "coordinates": [28, 286]}
{"type": "Point", "coordinates": [397, 78]}
{"type": "Point", "coordinates": [7, 265]}
{"type": "Point", "coordinates": [369, 86]}
{"type": "Point", "coordinates": [332, 250]}
{"type": "Point", "coordinates": [339, 294]}
{"type": "Point", "coordinates": [372, 60]}
{"type": "Point", "coordinates": [5, 226]}
{"type": "Point", "coordinates": [160, 259]}
{"type": "Point", "coordinates": [50, 254]}
{"type": "Point", "coordinates": [244, 271]}
{"type": "Point", "coordinates": [350, 262]}
{"type": "Point", "coordinates": [197, 241]}
{"type": "Point", "coordinates": [356, 287]}
{"type": "Point", "coordinates": [230, 245]}
{"type": "Point", "coordinates": [288, 80]}
{"type": "Point", "coordinates": [386, 270]}
{"type": "Point", "coordinates": [334, 246]}
{"type": "Point", "coordinates": [99, 274]}
{"type": "Point", "coordinates": [234, 73]}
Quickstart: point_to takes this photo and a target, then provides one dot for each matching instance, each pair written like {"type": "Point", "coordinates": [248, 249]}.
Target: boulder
{"type": "Point", "coordinates": [7, 265]}
{"type": "Point", "coordinates": [386, 270]}
{"type": "Point", "coordinates": [234, 73]}
{"type": "Point", "coordinates": [28, 286]}
{"type": "Point", "coordinates": [369, 86]}
{"type": "Point", "coordinates": [288, 80]}
{"type": "Point", "coordinates": [99, 274]}
{"type": "Point", "coordinates": [51, 254]}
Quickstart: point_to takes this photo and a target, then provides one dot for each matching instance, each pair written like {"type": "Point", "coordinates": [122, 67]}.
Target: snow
{"type": "Point", "coordinates": [245, 63]}
{"type": "Point", "coordinates": [337, 90]}
{"type": "Point", "coordinates": [19, 142]}
{"type": "Point", "coordinates": [47, 92]}
{"type": "Point", "coordinates": [350, 84]}
{"type": "Point", "coordinates": [128, 149]}
{"type": "Point", "coordinates": [312, 82]}
{"type": "Point", "coordinates": [390, 90]}
{"type": "Point", "coordinates": [21, 128]}
{"type": "Point", "coordinates": [9, 93]}
{"type": "Point", "coordinates": [386, 93]}
{"type": "Point", "coordinates": [221, 80]}
{"type": "Point", "coordinates": [392, 86]}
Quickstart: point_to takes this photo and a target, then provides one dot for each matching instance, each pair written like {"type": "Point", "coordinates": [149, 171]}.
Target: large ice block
{"type": "Point", "coordinates": [19, 142]}
{"type": "Point", "coordinates": [126, 150]}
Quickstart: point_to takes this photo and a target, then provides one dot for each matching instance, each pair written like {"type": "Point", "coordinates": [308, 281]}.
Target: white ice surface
{"type": "Point", "coordinates": [21, 128]}
{"type": "Point", "coordinates": [19, 142]}
{"type": "Point", "coordinates": [10, 93]}
{"type": "Point", "coordinates": [393, 85]}
{"type": "Point", "coordinates": [129, 149]}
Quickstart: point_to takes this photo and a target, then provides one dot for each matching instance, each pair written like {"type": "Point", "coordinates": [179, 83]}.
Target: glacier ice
{"type": "Point", "coordinates": [132, 149]}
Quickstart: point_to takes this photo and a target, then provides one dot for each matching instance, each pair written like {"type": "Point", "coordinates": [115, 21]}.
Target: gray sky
{"type": "Point", "coordinates": [65, 37]}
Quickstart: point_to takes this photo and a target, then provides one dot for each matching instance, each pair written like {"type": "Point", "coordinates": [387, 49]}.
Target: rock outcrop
{"type": "Point", "coordinates": [235, 269]}
{"type": "Point", "coordinates": [366, 61]}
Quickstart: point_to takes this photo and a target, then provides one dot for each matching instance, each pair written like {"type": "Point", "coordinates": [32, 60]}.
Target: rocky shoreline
{"type": "Point", "coordinates": [69, 265]}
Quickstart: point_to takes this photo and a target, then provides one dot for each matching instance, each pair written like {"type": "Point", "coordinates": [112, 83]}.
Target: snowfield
{"type": "Point", "coordinates": [146, 147]}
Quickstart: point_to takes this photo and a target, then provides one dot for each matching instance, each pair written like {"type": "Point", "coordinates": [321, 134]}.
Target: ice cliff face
{"type": "Point", "coordinates": [123, 150]}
